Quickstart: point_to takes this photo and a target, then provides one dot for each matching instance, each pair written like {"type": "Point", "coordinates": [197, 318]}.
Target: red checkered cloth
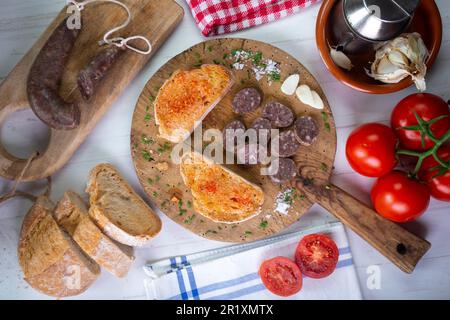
{"type": "Point", "coordinates": [215, 17]}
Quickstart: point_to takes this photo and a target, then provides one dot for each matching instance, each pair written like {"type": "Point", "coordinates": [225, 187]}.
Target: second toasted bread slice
{"type": "Point", "coordinates": [72, 214]}
{"type": "Point", "coordinates": [219, 194]}
{"type": "Point", "coordinates": [187, 97]}
{"type": "Point", "coordinates": [118, 210]}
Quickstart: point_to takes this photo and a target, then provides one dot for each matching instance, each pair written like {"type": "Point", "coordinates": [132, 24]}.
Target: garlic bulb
{"type": "Point", "coordinates": [399, 58]}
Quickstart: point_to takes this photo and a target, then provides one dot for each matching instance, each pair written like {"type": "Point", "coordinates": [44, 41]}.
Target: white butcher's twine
{"type": "Point", "coordinates": [117, 41]}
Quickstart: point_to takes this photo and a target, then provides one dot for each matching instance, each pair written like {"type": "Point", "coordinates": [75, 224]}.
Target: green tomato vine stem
{"type": "Point", "coordinates": [425, 131]}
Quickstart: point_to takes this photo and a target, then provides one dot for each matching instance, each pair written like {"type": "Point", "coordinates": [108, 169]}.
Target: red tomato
{"type": "Point", "coordinates": [399, 198]}
{"type": "Point", "coordinates": [370, 150]}
{"type": "Point", "coordinates": [428, 107]}
{"type": "Point", "coordinates": [439, 186]}
{"type": "Point", "coordinates": [281, 276]}
{"type": "Point", "coordinates": [317, 256]}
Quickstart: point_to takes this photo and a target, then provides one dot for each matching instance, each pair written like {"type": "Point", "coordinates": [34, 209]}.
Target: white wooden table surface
{"type": "Point", "coordinates": [22, 21]}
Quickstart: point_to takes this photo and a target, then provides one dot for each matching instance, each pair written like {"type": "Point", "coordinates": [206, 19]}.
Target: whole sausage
{"type": "Point", "coordinates": [45, 77]}
{"type": "Point", "coordinates": [90, 77]}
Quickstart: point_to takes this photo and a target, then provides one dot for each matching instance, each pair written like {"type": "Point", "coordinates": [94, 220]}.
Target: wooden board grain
{"type": "Point", "coordinates": [162, 185]}
{"type": "Point", "coordinates": [151, 154]}
{"type": "Point", "coordinates": [153, 19]}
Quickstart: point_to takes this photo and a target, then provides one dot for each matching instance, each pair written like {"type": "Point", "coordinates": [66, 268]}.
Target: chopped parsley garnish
{"type": "Point", "coordinates": [248, 233]}
{"type": "Point", "coordinates": [210, 231]}
{"type": "Point", "coordinates": [210, 48]}
{"type": "Point", "coordinates": [181, 211]}
{"type": "Point", "coordinates": [216, 61]}
{"type": "Point", "coordinates": [148, 117]}
{"type": "Point", "coordinates": [274, 76]}
{"type": "Point", "coordinates": [325, 120]}
{"type": "Point", "coordinates": [152, 99]}
{"type": "Point", "coordinates": [189, 204]}
{"type": "Point", "coordinates": [155, 194]}
{"type": "Point", "coordinates": [324, 167]}
{"type": "Point", "coordinates": [147, 140]}
{"type": "Point", "coordinates": [225, 55]}
{"type": "Point", "coordinates": [289, 196]}
{"type": "Point", "coordinates": [257, 57]}
{"type": "Point", "coordinates": [263, 225]}
{"type": "Point", "coordinates": [147, 156]}
{"type": "Point", "coordinates": [189, 219]}
{"type": "Point", "coordinates": [162, 148]}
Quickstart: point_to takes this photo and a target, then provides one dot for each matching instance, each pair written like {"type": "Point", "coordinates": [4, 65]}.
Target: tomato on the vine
{"type": "Point", "coordinates": [429, 172]}
{"type": "Point", "coordinates": [399, 198]}
{"type": "Point", "coordinates": [370, 150]}
{"type": "Point", "coordinates": [428, 107]}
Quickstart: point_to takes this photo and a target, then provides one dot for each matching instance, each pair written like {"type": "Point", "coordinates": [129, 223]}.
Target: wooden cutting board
{"type": "Point", "coordinates": [153, 19]}
{"type": "Point", "coordinates": [162, 181]}
{"type": "Point", "coordinates": [161, 186]}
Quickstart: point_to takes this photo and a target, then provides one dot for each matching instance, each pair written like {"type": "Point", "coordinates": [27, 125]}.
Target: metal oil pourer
{"type": "Point", "coordinates": [358, 24]}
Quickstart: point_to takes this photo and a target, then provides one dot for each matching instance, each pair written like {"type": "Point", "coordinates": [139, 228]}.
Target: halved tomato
{"type": "Point", "coordinates": [317, 256]}
{"type": "Point", "coordinates": [281, 276]}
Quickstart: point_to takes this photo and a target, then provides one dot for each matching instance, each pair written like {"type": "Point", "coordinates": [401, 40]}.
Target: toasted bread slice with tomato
{"type": "Point", "coordinates": [187, 97]}
{"type": "Point", "coordinates": [219, 194]}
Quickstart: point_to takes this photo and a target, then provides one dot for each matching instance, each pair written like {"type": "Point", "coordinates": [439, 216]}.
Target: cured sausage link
{"type": "Point", "coordinates": [95, 71]}
{"type": "Point", "coordinates": [45, 77]}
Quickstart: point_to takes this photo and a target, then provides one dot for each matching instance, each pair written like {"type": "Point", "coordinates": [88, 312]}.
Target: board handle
{"type": "Point", "coordinates": [400, 246]}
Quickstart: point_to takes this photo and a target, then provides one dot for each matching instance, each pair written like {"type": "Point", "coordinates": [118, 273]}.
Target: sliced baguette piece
{"type": "Point", "coordinates": [219, 194]}
{"type": "Point", "coordinates": [117, 210]}
{"type": "Point", "coordinates": [50, 260]}
{"type": "Point", "coordinates": [187, 97]}
{"type": "Point", "coordinates": [72, 214]}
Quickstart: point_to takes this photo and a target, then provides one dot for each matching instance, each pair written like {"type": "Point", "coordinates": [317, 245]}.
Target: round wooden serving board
{"type": "Point", "coordinates": [166, 186]}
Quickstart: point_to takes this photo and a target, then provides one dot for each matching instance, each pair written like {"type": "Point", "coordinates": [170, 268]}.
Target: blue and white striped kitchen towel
{"type": "Point", "coordinates": [232, 272]}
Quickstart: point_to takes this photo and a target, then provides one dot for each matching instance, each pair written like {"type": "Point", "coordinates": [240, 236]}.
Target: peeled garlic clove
{"type": "Point", "coordinates": [304, 94]}
{"type": "Point", "coordinates": [341, 60]}
{"type": "Point", "coordinates": [318, 102]}
{"type": "Point", "coordinates": [290, 84]}
{"type": "Point", "coordinates": [309, 97]}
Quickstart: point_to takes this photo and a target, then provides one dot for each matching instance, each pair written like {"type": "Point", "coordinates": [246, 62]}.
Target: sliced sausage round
{"type": "Point", "coordinates": [230, 132]}
{"type": "Point", "coordinates": [286, 171]}
{"type": "Point", "coordinates": [279, 115]}
{"type": "Point", "coordinates": [251, 154]}
{"type": "Point", "coordinates": [260, 125]}
{"type": "Point", "coordinates": [287, 144]}
{"type": "Point", "coordinates": [246, 100]}
{"type": "Point", "coordinates": [306, 130]}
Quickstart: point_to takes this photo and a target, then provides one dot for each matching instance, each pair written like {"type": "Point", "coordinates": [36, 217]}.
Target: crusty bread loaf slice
{"type": "Point", "coordinates": [50, 260]}
{"type": "Point", "coordinates": [219, 194]}
{"type": "Point", "coordinates": [117, 210]}
{"type": "Point", "coordinates": [187, 97]}
{"type": "Point", "coordinates": [72, 214]}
